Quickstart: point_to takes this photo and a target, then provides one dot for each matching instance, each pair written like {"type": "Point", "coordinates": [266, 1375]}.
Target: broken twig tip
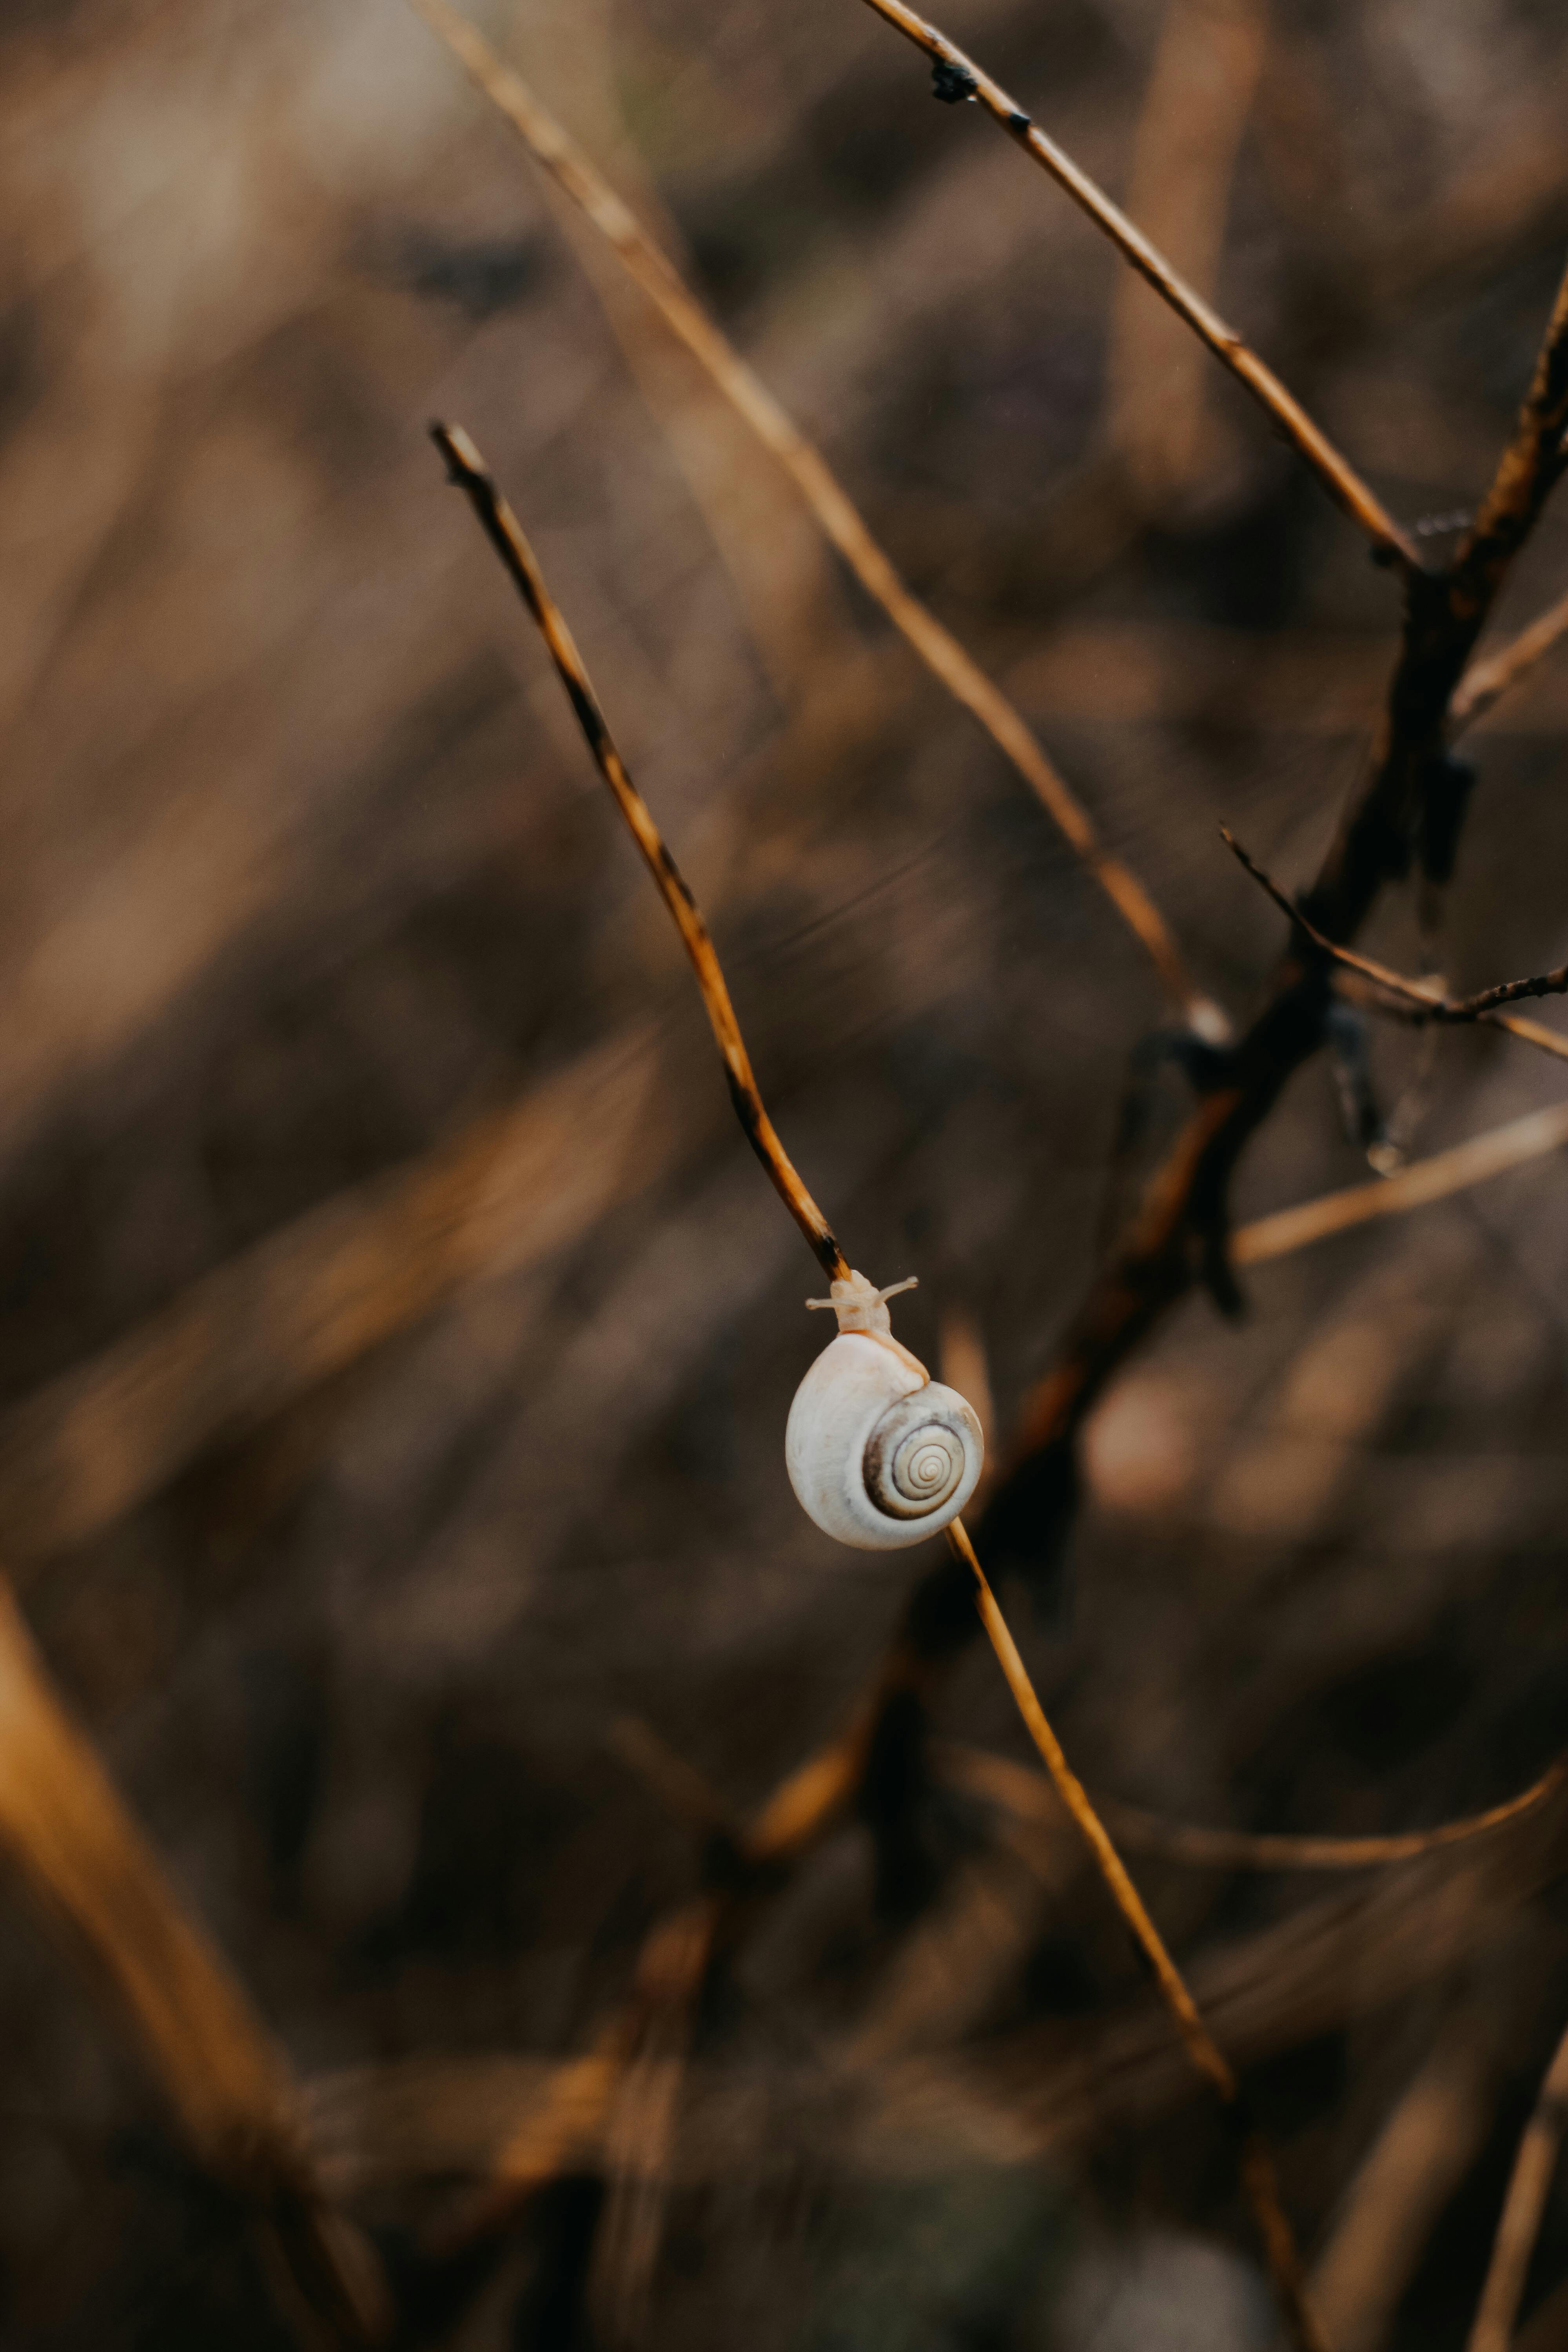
{"type": "Point", "coordinates": [464, 462]}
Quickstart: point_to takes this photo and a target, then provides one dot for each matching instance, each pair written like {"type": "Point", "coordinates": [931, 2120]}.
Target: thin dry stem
{"type": "Point", "coordinates": [572, 171]}
{"type": "Point", "coordinates": [617, 2103]}
{"type": "Point", "coordinates": [1258, 2178]}
{"type": "Point", "coordinates": [1334, 470]}
{"type": "Point", "coordinates": [817, 1792]}
{"type": "Point", "coordinates": [99, 1883]}
{"type": "Point", "coordinates": [1179, 1237]}
{"type": "Point", "coordinates": [566, 2124]}
{"type": "Point", "coordinates": [1185, 149]}
{"type": "Point", "coordinates": [1346, 1955]}
{"type": "Point", "coordinates": [1522, 2209]}
{"type": "Point", "coordinates": [314, 1298]}
{"type": "Point", "coordinates": [1020, 1791]}
{"type": "Point", "coordinates": [1486, 682]}
{"type": "Point", "coordinates": [672, 1965]}
{"type": "Point", "coordinates": [1426, 999]}
{"type": "Point", "coordinates": [1476, 1161]}
{"type": "Point", "coordinates": [504, 532]}
{"type": "Point", "coordinates": [1416, 797]}
{"type": "Point", "coordinates": [274, 1320]}
{"type": "Point", "coordinates": [642, 2115]}
{"type": "Point", "coordinates": [506, 536]}
{"type": "Point", "coordinates": [1420, 2156]}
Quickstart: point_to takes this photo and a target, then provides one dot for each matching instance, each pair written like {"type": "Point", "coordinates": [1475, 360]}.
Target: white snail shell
{"type": "Point", "coordinates": [880, 1455]}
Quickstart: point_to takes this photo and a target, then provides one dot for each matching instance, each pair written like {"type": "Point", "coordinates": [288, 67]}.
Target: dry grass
{"type": "Point", "coordinates": [397, 1352]}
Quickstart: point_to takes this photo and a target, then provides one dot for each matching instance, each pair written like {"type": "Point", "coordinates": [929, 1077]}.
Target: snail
{"type": "Point", "coordinates": [880, 1455]}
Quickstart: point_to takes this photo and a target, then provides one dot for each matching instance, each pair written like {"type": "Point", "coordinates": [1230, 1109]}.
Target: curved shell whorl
{"type": "Point", "coordinates": [917, 1456]}
{"type": "Point", "coordinates": [879, 1456]}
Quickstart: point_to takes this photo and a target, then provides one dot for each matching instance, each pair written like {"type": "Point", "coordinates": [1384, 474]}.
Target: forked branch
{"type": "Point", "coordinates": [1409, 802]}
{"type": "Point", "coordinates": [504, 1193]}
{"type": "Point", "coordinates": [958, 76]}
{"type": "Point", "coordinates": [1180, 1234]}
{"type": "Point", "coordinates": [1424, 1000]}
{"type": "Point", "coordinates": [1416, 795]}
{"type": "Point", "coordinates": [573, 172]}
{"type": "Point", "coordinates": [775, 1831]}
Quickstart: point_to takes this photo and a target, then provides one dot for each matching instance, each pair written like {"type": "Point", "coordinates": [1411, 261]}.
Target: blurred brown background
{"type": "Point", "coordinates": [397, 1335]}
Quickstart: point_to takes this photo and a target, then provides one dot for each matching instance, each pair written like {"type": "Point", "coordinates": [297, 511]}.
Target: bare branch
{"type": "Point", "coordinates": [577, 177]}
{"type": "Point", "coordinates": [1486, 682]}
{"type": "Point", "coordinates": [1416, 798]}
{"type": "Point", "coordinates": [506, 536]}
{"type": "Point", "coordinates": [1531, 466]}
{"type": "Point", "coordinates": [1179, 1235]}
{"type": "Point", "coordinates": [1426, 2145]}
{"type": "Point", "coordinates": [569, 2124]}
{"type": "Point", "coordinates": [277, 1319]}
{"type": "Point", "coordinates": [642, 2115]}
{"type": "Point", "coordinates": [100, 1886]}
{"type": "Point", "coordinates": [1259, 2177]}
{"type": "Point", "coordinates": [1427, 1000]}
{"type": "Point", "coordinates": [1522, 2209]}
{"type": "Point", "coordinates": [1537, 1133]}
{"type": "Point", "coordinates": [963, 77]}
{"type": "Point", "coordinates": [1348, 1954]}
{"type": "Point", "coordinates": [1020, 1790]}
{"type": "Point", "coordinates": [502, 530]}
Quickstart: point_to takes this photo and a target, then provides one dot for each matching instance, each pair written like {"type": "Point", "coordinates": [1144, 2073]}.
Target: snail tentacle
{"type": "Point", "coordinates": [878, 1454]}
{"type": "Point", "coordinates": [859, 1305]}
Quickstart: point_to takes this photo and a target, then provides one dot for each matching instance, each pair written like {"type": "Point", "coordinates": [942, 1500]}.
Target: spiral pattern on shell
{"type": "Point", "coordinates": [878, 1456]}
{"type": "Point", "coordinates": [917, 1454]}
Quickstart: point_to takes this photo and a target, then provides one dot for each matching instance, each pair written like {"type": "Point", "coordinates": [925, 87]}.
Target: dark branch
{"type": "Point", "coordinates": [1429, 1002]}
{"type": "Point", "coordinates": [1179, 1235]}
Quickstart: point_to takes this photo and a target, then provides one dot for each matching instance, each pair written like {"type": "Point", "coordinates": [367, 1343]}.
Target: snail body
{"type": "Point", "coordinates": [880, 1455]}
